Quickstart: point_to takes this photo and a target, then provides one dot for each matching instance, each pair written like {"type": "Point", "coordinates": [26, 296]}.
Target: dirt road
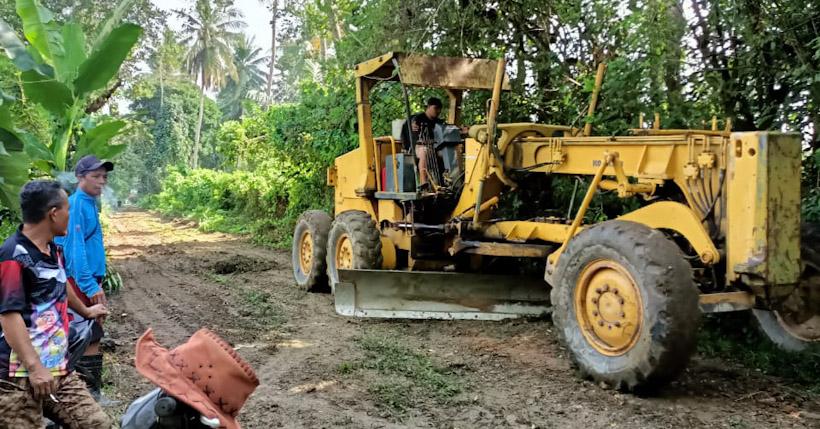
{"type": "Point", "coordinates": [320, 370]}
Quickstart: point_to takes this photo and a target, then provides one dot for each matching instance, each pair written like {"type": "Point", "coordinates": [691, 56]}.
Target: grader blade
{"type": "Point", "coordinates": [439, 295]}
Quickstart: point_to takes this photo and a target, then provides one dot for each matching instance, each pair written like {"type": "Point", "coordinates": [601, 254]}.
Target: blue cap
{"type": "Point", "coordinates": [90, 163]}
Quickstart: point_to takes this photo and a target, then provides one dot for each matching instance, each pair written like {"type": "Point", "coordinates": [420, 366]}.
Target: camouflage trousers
{"type": "Point", "coordinates": [76, 408]}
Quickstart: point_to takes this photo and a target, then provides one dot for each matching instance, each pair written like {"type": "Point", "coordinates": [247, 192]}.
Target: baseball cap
{"type": "Point", "coordinates": [90, 163]}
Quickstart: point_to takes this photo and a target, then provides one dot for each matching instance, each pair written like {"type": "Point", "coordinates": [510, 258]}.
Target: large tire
{"type": "Point", "coordinates": [309, 249]}
{"type": "Point", "coordinates": [354, 243]}
{"type": "Point", "coordinates": [796, 327]}
{"type": "Point", "coordinates": [625, 305]}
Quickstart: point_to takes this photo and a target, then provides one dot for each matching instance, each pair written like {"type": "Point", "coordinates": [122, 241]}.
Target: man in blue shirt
{"type": "Point", "coordinates": [85, 258]}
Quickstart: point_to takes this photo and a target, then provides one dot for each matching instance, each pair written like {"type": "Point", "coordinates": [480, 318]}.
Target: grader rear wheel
{"type": "Point", "coordinates": [308, 253]}
{"type": "Point", "coordinates": [625, 305]}
{"type": "Point", "coordinates": [795, 324]}
{"type": "Point", "coordinates": [354, 243]}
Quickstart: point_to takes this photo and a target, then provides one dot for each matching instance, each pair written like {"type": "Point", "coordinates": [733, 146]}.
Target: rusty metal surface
{"type": "Point", "coordinates": [501, 249]}
{"type": "Point", "coordinates": [726, 302]}
{"type": "Point", "coordinates": [434, 72]}
{"type": "Point", "coordinates": [763, 217]}
{"type": "Point", "coordinates": [439, 295]}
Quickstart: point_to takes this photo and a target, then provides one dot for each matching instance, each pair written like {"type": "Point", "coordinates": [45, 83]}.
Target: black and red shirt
{"type": "Point", "coordinates": [34, 285]}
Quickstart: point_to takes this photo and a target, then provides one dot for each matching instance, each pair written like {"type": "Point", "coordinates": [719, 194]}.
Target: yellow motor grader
{"type": "Point", "coordinates": [716, 228]}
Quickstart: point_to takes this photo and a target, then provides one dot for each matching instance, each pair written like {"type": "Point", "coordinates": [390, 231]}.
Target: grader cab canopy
{"type": "Point", "coordinates": [432, 72]}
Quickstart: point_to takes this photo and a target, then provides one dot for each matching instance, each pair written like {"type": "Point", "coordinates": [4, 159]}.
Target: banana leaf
{"type": "Point", "coordinates": [38, 27]}
{"type": "Point", "coordinates": [17, 52]}
{"type": "Point", "coordinates": [48, 92]}
{"type": "Point", "coordinates": [105, 62]}
{"type": "Point", "coordinates": [96, 141]}
{"type": "Point", "coordinates": [68, 63]}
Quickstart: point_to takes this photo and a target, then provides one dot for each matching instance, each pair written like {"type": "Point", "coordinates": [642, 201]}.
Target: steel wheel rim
{"type": "Point", "coordinates": [306, 252]}
{"type": "Point", "coordinates": [608, 307]}
{"type": "Point", "coordinates": [798, 314]}
{"type": "Point", "coordinates": [807, 330]}
{"type": "Point", "coordinates": [344, 253]}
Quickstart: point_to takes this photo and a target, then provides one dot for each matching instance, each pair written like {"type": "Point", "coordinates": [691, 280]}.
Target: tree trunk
{"type": "Point", "coordinates": [673, 52]}
{"type": "Point", "coordinates": [333, 23]}
{"type": "Point", "coordinates": [198, 132]}
{"type": "Point", "coordinates": [161, 83]}
{"type": "Point", "coordinates": [274, 9]}
{"type": "Point", "coordinates": [519, 83]}
{"type": "Point", "coordinates": [98, 103]}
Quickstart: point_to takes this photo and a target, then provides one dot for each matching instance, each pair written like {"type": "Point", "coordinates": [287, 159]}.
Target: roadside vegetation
{"type": "Point", "coordinates": [239, 139]}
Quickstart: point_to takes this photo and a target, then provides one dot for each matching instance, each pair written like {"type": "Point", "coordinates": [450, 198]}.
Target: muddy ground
{"type": "Point", "coordinates": [321, 370]}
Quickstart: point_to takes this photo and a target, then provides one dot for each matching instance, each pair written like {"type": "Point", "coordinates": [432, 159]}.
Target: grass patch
{"type": "Point", "coordinates": [216, 278]}
{"type": "Point", "coordinates": [261, 307]}
{"type": "Point", "coordinates": [395, 394]}
{"type": "Point", "coordinates": [406, 377]}
{"type": "Point", "coordinates": [346, 368]}
{"type": "Point", "coordinates": [734, 337]}
{"type": "Point", "coordinates": [257, 307]}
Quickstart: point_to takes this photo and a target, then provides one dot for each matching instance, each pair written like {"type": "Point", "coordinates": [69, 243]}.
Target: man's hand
{"type": "Point", "coordinates": [42, 382]}
{"type": "Point", "coordinates": [414, 126]}
{"type": "Point", "coordinates": [97, 311]}
{"type": "Point", "coordinates": [99, 298]}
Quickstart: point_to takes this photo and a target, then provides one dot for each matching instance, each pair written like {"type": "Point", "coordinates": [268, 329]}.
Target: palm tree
{"type": "Point", "coordinates": [273, 6]}
{"type": "Point", "coordinates": [166, 60]}
{"type": "Point", "coordinates": [209, 32]}
{"type": "Point", "coordinates": [249, 78]}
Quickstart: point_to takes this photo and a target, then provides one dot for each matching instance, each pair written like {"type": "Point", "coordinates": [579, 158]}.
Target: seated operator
{"type": "Point", "coordinates": [422, 125]}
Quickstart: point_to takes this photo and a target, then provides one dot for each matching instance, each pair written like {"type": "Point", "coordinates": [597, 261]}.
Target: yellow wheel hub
{"type": "Point", "coordinates": [608, 307]}
{"type": "Point", "coordinates": [344, 253]}
{"type": "Point", "coordinates": [306, 252]}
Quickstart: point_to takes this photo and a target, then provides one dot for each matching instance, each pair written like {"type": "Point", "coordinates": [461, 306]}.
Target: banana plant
{"type": "Point", "coordinates": [58, 72]}
{"type": "Point", "coordinates": [14, 162]}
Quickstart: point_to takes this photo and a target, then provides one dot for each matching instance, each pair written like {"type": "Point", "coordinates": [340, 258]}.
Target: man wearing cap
{"type": "Point", "coordinates": [35, 376]}
{"type": "Point", "coordinates": [85, 259]}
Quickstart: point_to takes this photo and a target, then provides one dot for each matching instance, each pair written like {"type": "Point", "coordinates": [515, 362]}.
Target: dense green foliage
{"type": "Point", "coordinates": [167, 112]}
{"type": "Point", "coordinates": [264, 188]}
{"type": "Point", "coordinates": [686, 60]}
{"type": "Point", "coordinates": [66, 75]}
{"type": "Point", "coordinates": [756, 63]}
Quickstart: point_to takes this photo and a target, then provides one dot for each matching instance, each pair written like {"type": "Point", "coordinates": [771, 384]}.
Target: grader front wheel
{"type": "Point", "coordinates": [354, 243]}
{"type": "Point", "coordinates": [625, 305]}
{"type": "Point", "coordinates": [308, 253]}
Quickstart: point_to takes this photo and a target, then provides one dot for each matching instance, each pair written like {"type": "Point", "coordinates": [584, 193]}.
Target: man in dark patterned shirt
{"type": "Point", "coordinates": [34, 376]}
